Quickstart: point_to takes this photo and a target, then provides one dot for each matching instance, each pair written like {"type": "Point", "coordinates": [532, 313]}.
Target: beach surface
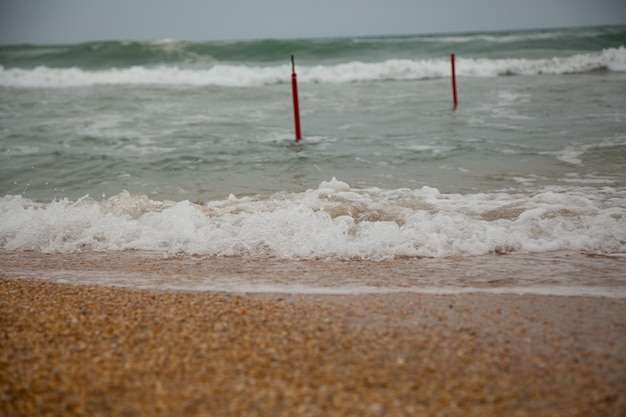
{"type": "Point", "coordinates": [68, 349]}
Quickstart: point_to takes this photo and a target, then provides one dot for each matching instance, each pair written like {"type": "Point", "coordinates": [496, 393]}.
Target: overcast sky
{"type": "Point", "coordinates": [70, 21]}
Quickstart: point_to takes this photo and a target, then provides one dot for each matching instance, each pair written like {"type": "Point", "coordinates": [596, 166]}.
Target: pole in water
{"type": "Point", "coordinates": [296, 107]}
{"type": "Point", "coordinates": [454, 96]}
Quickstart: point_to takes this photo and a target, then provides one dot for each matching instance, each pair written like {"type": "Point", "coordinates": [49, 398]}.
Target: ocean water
{"type": "Point", "coordinates": [186, 150]}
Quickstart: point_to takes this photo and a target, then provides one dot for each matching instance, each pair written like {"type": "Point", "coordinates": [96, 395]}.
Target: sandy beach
{"type": "Point", "coordinates": [101, 351]}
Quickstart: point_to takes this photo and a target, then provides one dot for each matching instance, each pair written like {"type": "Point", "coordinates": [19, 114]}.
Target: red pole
{"type": "Point", "coordinates": [296, 108]}
{"type": "Point", "coordinates": [456, 101]}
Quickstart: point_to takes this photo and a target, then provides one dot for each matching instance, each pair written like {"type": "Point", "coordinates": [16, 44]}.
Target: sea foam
{"type": "Point", "coordinates": [333, 221]}
{"type": "Point", "coordinates": [240, 75]}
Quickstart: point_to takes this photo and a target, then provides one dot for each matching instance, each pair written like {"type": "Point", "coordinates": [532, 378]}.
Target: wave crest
{"type": "Point", "coordinates": [239, 75]}
{"type": "Point", "coordinates": [334, 221]}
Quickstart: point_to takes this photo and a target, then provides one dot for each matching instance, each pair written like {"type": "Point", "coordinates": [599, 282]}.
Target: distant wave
{"type": "Point", "coordinates": [613, 59]}
{"type": "Point", "coordinates": [240, 75]}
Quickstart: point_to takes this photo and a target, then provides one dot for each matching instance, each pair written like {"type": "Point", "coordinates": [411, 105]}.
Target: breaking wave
{"type": "Point", "coordinates": [242, 75]}
{"type": "Point", "coordinates": [333, 221]}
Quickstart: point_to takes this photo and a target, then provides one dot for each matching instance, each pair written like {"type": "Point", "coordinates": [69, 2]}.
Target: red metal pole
{"type": "Point", "coordinates": [296, 107]}
{"type": "Point", "coordinates": [454, 96]}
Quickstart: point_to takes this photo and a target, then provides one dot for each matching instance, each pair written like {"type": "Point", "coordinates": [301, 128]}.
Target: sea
{"type": "Point", "coordinates": [186, 152]}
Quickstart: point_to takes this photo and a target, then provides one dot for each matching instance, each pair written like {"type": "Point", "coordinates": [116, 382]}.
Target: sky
{"type": "Point", "coordinates": [73, 21]}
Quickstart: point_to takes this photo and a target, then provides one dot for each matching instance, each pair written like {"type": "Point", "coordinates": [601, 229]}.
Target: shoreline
{"type": "Point", "coordinates": [555, 273]}
{"type": "Point", "coordinates": [94, 350]}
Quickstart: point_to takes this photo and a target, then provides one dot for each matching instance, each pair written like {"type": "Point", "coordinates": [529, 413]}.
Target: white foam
{"type": "Point", "coordinates": [573, 154]}
{"type": "Point", "coordinates": [613, 59]}
{"type": "Point", "coordinates": [229, 75]}
{"type": "Point", "coordinates": [334, 221]}
{"type": "Point", "coordinates": [568, 155]}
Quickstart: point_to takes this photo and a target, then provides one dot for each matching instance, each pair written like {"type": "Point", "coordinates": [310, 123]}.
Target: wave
{"type": "Point", "coordinates": [535, 37]}
{"type": "Point", "coordinates": [613, 60]}
{"type": "Point", "coordinates": [333, 221]}
{"type": "Point", "coordinates": [127, 53]}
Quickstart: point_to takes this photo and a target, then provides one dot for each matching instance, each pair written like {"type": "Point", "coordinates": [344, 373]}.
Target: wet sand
{"type": "Point", "coordinates": [90, 350]}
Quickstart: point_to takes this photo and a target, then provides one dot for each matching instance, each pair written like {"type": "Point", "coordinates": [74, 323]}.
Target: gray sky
{"type": "Point", "coordinates": [70, 21]}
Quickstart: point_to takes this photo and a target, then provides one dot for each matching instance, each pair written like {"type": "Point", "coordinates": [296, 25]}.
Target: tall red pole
{"type": "Point", "coordinates": [454, 96]}
{"type": "Point", "coordinates": [296, 107]}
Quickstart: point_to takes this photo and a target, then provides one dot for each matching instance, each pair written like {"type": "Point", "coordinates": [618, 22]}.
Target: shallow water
{"type": "Point", "coordinates": [555, 273]}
